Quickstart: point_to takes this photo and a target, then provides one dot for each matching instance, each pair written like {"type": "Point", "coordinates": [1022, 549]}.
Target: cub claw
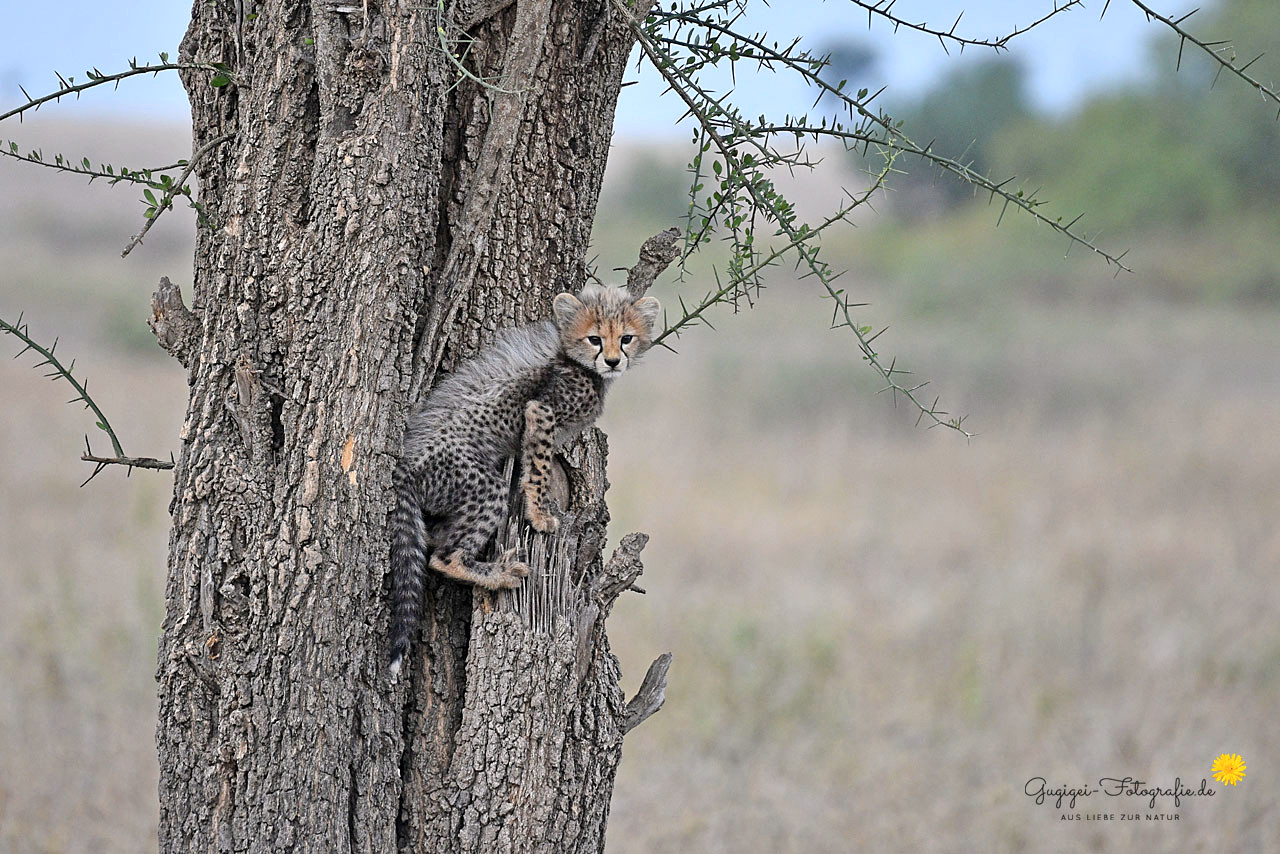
{"type": "Point", "coordinates": [543, 522]}
{"type": "Point", "coordinates": [544, 517]}
{"type": "Point", "coordinates": [513, 571]}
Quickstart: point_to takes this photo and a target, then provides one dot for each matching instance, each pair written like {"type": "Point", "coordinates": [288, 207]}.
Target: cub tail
{"type": "Point", "coordinates": [408, 565]}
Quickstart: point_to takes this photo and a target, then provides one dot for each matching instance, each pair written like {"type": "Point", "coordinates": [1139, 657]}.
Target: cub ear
{"type": "Point", "coordinates": [648, 308]}
{"type": "Point", "coordinates": [565, 308]}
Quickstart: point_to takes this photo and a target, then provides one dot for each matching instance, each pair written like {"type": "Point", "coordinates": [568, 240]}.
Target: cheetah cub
{"type": "Point", "coordinates": [530, 392]}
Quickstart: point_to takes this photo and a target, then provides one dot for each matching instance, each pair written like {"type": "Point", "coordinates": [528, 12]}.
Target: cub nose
{"type": "Point", "coordinates": [613, 363]}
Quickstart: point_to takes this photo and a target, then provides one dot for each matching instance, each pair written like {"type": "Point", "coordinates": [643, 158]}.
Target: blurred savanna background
{"type": "Point", "coordinates": [881, 632]}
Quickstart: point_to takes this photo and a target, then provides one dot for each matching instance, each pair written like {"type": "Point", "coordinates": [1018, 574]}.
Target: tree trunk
{"type": "Point", "coordinates": [373, 215]}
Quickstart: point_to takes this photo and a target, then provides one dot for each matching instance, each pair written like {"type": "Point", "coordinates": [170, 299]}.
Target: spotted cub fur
{"type": "Point", "coordinates": [531, 391]}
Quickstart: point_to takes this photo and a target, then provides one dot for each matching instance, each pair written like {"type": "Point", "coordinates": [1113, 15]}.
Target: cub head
{"type": "Point", "coordinates": [605, 328]}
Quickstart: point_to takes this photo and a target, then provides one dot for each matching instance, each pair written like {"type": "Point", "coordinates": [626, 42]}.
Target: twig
{"type": "Point", "coordinates": [132, 463]}
{"type": "Point", "coordinates": [106, 171]}
{"type": "Point", "coordinates": [97, 78]}
{"type": "Point", "coordinates": [718, 295]}
{"type": "Point", "coordinates": [60, 371]}
{"type": "Point", "coordinates": [20, 331]}
{"type": "Point", "coordinates": [455, 60]}
{"type": "Point", "coordinates": [1210, 47]}
{"type": "Point", "coordinates": [883, 8]}
{"type": "Point", "coordinates": [166, 200]}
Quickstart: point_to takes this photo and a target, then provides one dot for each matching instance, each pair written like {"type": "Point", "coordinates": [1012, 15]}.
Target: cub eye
{"type": "Point", "coordinates": [594, 340]}
{"type": "Point", "coordinates": [626, 339]}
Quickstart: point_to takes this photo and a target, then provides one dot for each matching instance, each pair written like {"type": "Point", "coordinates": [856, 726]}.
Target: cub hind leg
{"type": "Point", "coordinates": [469, 526]}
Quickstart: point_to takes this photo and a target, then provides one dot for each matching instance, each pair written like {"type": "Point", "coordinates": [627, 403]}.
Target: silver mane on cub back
{"type": "Point", "coordinates": [529, 392]}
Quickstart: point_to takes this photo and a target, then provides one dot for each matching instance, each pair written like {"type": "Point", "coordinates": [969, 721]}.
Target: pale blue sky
{"type": "Point", "coordinates": [1069, 57]}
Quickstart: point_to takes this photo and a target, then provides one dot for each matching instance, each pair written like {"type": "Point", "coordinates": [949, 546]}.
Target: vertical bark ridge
{"type": "Point", "coordinates": [543, 214]}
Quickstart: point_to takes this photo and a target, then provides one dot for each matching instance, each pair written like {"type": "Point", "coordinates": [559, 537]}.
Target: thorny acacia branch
{"type": "Point", "coordinates": [685, 39]}
{"type": "Point", "coordinates": [456, 59]}
{"type": "Point", "coordinates": [745, 149]}
{"type": "Point", "coordinates": [172, 188]}
{"type": "Point", "coordinates": [873, 129]}
{"type": "Point", "coordinates": [167, 186]}
{"type": "Point", "coordinates": [1215, 49]}
{"type": "Point", "coordinates": [151, 177]}
{"type": "Point", "coordinates": [20, 331]}
{"type": "Point", "coordinates": [884, 9]}
{"type": "Point", "coordinates": [130, 463]}
{"type": "Point", "coordinates": [797, 235]}
{"type": "Point", "coordinates": [69, 86]}
{"type": "Point", "coordinates": [724, 291]}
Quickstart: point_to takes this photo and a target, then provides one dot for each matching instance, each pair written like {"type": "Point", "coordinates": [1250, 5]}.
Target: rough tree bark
{"type": "Point", "coordinates": [370, 206]}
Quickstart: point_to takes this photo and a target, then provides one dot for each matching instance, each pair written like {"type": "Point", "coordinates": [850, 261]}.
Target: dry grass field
{"type": "Point", "coordinates": [880, 632]}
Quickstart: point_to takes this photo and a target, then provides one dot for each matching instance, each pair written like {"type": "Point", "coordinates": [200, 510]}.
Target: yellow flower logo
{"type": "Point", "coordinates": [1228, 769]}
